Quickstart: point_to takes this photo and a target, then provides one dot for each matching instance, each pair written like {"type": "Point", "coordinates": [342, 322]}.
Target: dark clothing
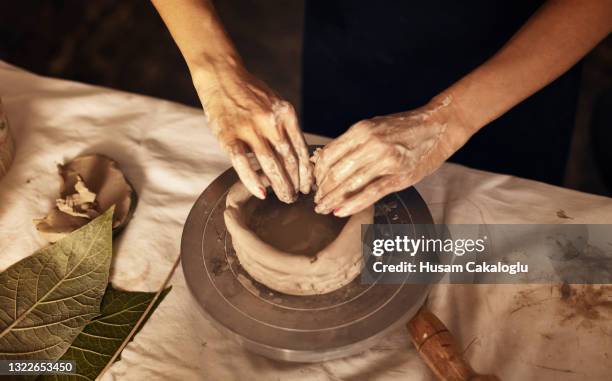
{"type": "Point", "coordinates": [369, 58]}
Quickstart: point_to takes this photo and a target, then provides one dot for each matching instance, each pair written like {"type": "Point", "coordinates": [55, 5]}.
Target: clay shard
{"type": "Point", "coordinates": [79, 204]}
{"type": "Point", "coordinates": [90, 185]}
{"type": "Point", "coordinates": [315, 155]}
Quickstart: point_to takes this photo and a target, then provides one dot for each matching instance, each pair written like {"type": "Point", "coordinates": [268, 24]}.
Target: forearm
{"type": "Point", "coordinates": [245, 115]}
{"type": "Point", "coordinates": [200, 36]}
{"type": "Point", "coordinates": [550, 42]}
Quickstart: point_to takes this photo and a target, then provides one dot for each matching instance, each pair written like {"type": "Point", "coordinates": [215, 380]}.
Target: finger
{"type": "Point", "coordinates": [340, 172]}
{"type": "Point", "coordinates": [339, 147]}
{"type": "Point", "coordinates": [253, 161]}
{"type": "Point", "coordinates": [264, 179]}
{"type": "Point", "coordinates": [300, 148]}
{"type": "Point", "coordinates": [271, 166]}
{"type": "Point", "coordinates": [347, 188]}
{"type": "Point", "coordinates": [248, 175]}
{"type": "Point", "coordinates": [370, 194]}
{"type": "Point", "coordinates": [283, 149]}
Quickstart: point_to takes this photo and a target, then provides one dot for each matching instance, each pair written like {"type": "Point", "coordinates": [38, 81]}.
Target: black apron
{"type": "Point", "coordinates": [369, 58]}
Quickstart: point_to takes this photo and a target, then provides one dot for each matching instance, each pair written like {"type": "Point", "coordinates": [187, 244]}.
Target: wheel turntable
{"type": "Point", "coordinates": [293, 328]}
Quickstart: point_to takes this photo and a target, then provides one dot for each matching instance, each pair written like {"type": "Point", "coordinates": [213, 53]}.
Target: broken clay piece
{"type": "Point", "coordinates": [90, 185]}
{"type": "Point", "coordinates": [284, 263]}
{"type": "Point", "coordinates": [80, 204]}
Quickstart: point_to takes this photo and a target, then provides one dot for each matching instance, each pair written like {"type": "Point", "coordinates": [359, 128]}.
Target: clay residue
{"type": "Point", "coordinates": [248, 284]}
{"type": "Point", "coordinates": [561, 214]}
{"type": "Point", "coordinates": [578, 262]}
{"type": "Point", "coordinates": [219, 266]}
{"type": "Point", "coordinates": [582, 305]}
{"type": "Point", "coordinates": [293, 228]}
{"type": "Point", "coordinates": [529, 298]}
{"type": "Point", "coordinates": [593, 302]}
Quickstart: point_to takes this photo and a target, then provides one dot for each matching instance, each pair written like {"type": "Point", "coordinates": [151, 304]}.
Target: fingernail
{"type": "Point", "coordinates": [337, 212]}
{"type": "Point", "coordinates": [262, 191]}
{"type": "Point", "coordinates": [286, 197]}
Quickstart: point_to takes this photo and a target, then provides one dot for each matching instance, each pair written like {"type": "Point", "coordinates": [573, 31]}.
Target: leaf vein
{"type": "Point", "coordinates": [100, 337]}
{"type": "Point", "coordinates": [30, 352]}
{"type": "Point", "coordinates": [89, 350]}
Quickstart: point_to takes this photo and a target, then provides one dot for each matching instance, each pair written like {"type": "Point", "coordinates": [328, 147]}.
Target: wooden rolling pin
{"type": "Point", "coordinates": [438, 349]}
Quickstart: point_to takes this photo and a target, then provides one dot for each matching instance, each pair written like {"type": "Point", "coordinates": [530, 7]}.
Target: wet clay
{"type": "Point", "coordinates": [278, 244]}
{"type": "Point", "coordinates": [294, 228]}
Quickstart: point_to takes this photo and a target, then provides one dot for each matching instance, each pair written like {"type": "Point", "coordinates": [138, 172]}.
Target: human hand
{"type": "Point", "coordinates": [385, 154]}
{"type": "Point", "coordinates": [246, 116]}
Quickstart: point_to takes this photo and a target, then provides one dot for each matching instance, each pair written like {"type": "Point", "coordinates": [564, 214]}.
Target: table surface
{"type": "Point", "coordinates": [518, 332]}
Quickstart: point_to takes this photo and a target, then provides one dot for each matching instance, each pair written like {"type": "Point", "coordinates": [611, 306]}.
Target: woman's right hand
{"type": "Point", "coordinates": [247, 116]}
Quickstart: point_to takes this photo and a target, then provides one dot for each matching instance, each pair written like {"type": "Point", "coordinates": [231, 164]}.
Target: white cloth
{"type": "Point", "coordinates": [165, 149]}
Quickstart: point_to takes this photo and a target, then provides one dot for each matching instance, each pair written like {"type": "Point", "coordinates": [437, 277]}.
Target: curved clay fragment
{"type": "Point", "coordinates": [90, 185]}
{"type": "Point", "coordinates": [335, 266]}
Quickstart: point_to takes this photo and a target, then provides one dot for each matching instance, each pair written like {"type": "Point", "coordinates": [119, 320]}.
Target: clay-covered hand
{"type": "Point", "coordinates": [247, 117]}
{"type": "Point", "coordinates": [385, 154]}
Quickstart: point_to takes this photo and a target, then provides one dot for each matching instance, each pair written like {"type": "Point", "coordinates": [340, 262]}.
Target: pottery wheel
{"type": "Point", "coordinates": [293, 328]}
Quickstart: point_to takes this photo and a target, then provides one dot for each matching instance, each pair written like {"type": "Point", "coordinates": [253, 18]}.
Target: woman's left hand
{"type": "Point", "coordinates": [385, 154]}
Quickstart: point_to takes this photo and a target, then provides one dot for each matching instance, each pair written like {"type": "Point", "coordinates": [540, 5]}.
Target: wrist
{"type": "Point", "coordinates": [447, 110]}
{"type": "Point", "coordinates": [209, 72]}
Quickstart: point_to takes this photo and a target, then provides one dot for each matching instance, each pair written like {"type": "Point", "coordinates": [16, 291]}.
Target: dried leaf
{"type": "Point", "coordinates": [47, 298]}
{"type": "Point", "coordinates": [96, 345]}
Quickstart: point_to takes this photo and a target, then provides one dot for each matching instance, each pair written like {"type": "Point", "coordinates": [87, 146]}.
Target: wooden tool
{"type": "Point", "coordinates": [438, 349]}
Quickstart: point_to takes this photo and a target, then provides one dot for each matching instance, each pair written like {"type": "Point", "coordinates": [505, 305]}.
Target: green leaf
{"type": "Point", "coordinates": [96, 345]}
{"type": "Point", "coordinates": [47, 298]}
